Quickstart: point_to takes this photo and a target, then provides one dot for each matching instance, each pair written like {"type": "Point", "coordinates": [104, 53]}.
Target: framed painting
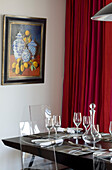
{"type": "Point", "coordinates": [23, 50]}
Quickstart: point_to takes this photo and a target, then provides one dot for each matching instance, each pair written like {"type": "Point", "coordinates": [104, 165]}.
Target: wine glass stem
{"type": "Point", "coordinates": [56, 131]}
{"type": "Point", "coordinates": [77, 129]}
{"type": "Point", "coordinates": [49, 132]}
{"type": "Point", "coordinates": [76, 140]}
{"type": "Point", "coordinates": [94, 143]}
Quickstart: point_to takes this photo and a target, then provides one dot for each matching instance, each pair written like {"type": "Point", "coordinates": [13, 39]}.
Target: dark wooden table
{"type": "Point", "coordinates": [84, 162]}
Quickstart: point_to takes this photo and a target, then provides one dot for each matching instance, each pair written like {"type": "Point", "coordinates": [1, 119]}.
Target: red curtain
{"type": "Point", "coordinates": [87, 69]}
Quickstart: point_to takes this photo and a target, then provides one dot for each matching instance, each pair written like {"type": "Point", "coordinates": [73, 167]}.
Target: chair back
{"type": "Point", "coordinates": [38, 113]}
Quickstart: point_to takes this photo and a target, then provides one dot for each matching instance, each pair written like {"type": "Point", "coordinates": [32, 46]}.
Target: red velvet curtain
{"type": "Point", "coordinates": [87, 69]}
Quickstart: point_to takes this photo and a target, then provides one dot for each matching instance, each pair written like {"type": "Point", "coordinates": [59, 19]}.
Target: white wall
{"type": "Point", "coordinates": [14, 98]}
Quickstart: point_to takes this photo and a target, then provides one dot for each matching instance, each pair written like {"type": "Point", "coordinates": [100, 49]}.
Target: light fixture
{"type": "Point", "coordinates": [105, 14]}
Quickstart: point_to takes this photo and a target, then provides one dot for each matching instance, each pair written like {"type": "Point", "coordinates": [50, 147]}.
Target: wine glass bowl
{"type": "Point", "coordinates": [77, 119]}
{"type": "Point", "coordinates": [86, 122]}
{"type": "Point", "coordinates": [49, 124]}
{"type": "Point", "coordinates": [56, 122]}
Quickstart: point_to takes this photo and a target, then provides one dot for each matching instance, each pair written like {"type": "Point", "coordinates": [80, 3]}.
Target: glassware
{"type": "Point", "coordinates": [49, 124]}
{"type": "Point", "coordinates": [97, 127]}
{"type": "Point", "coordinates": [86, 122]}
{"type": "Point", "coordinates": [110, 128]}
{"type": "Point", "coordinates": [56, 122]}
{"type": "Point", "coordinates": [92, 135]}
{"type": "Point", "coordinates": [77, 119]}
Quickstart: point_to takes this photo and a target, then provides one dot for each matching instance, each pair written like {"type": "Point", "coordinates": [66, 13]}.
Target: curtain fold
{"type": "Point", "coordinates": [87, 68]}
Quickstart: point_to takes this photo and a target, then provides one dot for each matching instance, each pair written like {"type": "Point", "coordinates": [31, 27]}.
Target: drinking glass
{"type": "Point", "coordinates": [49, 124]}
{"type": "Point", "coordinates": [110, 128]}
{"type": "Point", "coordinates": [56, 122]}
{"type": "Point", "coordinates": [86, 122]}
{"type": "Point", "coordinates": [97, 127]}
{"type": "Point", "coordinates": [94, 147]}
{"type": "Point", "coordinates": [77, 119]}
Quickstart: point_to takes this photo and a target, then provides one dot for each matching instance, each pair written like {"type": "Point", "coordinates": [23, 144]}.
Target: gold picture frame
{"type": "Point", "coordinates": [23, 58]}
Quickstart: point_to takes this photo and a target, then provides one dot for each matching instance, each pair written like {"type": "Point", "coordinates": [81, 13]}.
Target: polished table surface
{"type": "Point", "coordinates": [84, 162]}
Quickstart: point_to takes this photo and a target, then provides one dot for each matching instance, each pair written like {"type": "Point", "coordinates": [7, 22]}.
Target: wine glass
{"type": "Point", "coordinates": [110, 128]}
{"type": "Point", "coordinates": [56, 122]}
{"type": "Point", "coordinates": [86, 122]}
{"type": "Point", "coordinates": [49, 124]}
{"type": "Point", "coordinates": [77, 119]}
{"type": "Point", "coordinates": [97, 127]}
{"type": "Point", "coordinates": [94, 147]}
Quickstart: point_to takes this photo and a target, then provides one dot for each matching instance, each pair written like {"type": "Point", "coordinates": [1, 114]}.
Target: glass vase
{"type": "Point", "coordinates": [92, 135]}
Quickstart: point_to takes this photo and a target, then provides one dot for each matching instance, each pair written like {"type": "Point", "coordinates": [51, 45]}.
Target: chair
{"type": "Point", "coordinates": [38, 113]}
{"type": "Point", "coordinates": [100, 162]}
{"type": "Point", "coordinates": [29, 161]}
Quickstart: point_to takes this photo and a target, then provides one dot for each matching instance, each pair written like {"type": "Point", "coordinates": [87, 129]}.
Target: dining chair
{"type": "Point", "coordinates": [29, 161]}
{"type": "Point", "coordinates": [101, 163]}
{"type": "Point", "coordinates": [38, 113]}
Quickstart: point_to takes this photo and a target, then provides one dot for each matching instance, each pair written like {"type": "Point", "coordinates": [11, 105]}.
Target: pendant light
{"type": "Point", "coordinates": [105, 14]}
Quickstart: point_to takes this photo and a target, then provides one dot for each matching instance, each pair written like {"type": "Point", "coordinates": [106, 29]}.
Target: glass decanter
{"type": "Point", "coordinates": [92, 135]}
